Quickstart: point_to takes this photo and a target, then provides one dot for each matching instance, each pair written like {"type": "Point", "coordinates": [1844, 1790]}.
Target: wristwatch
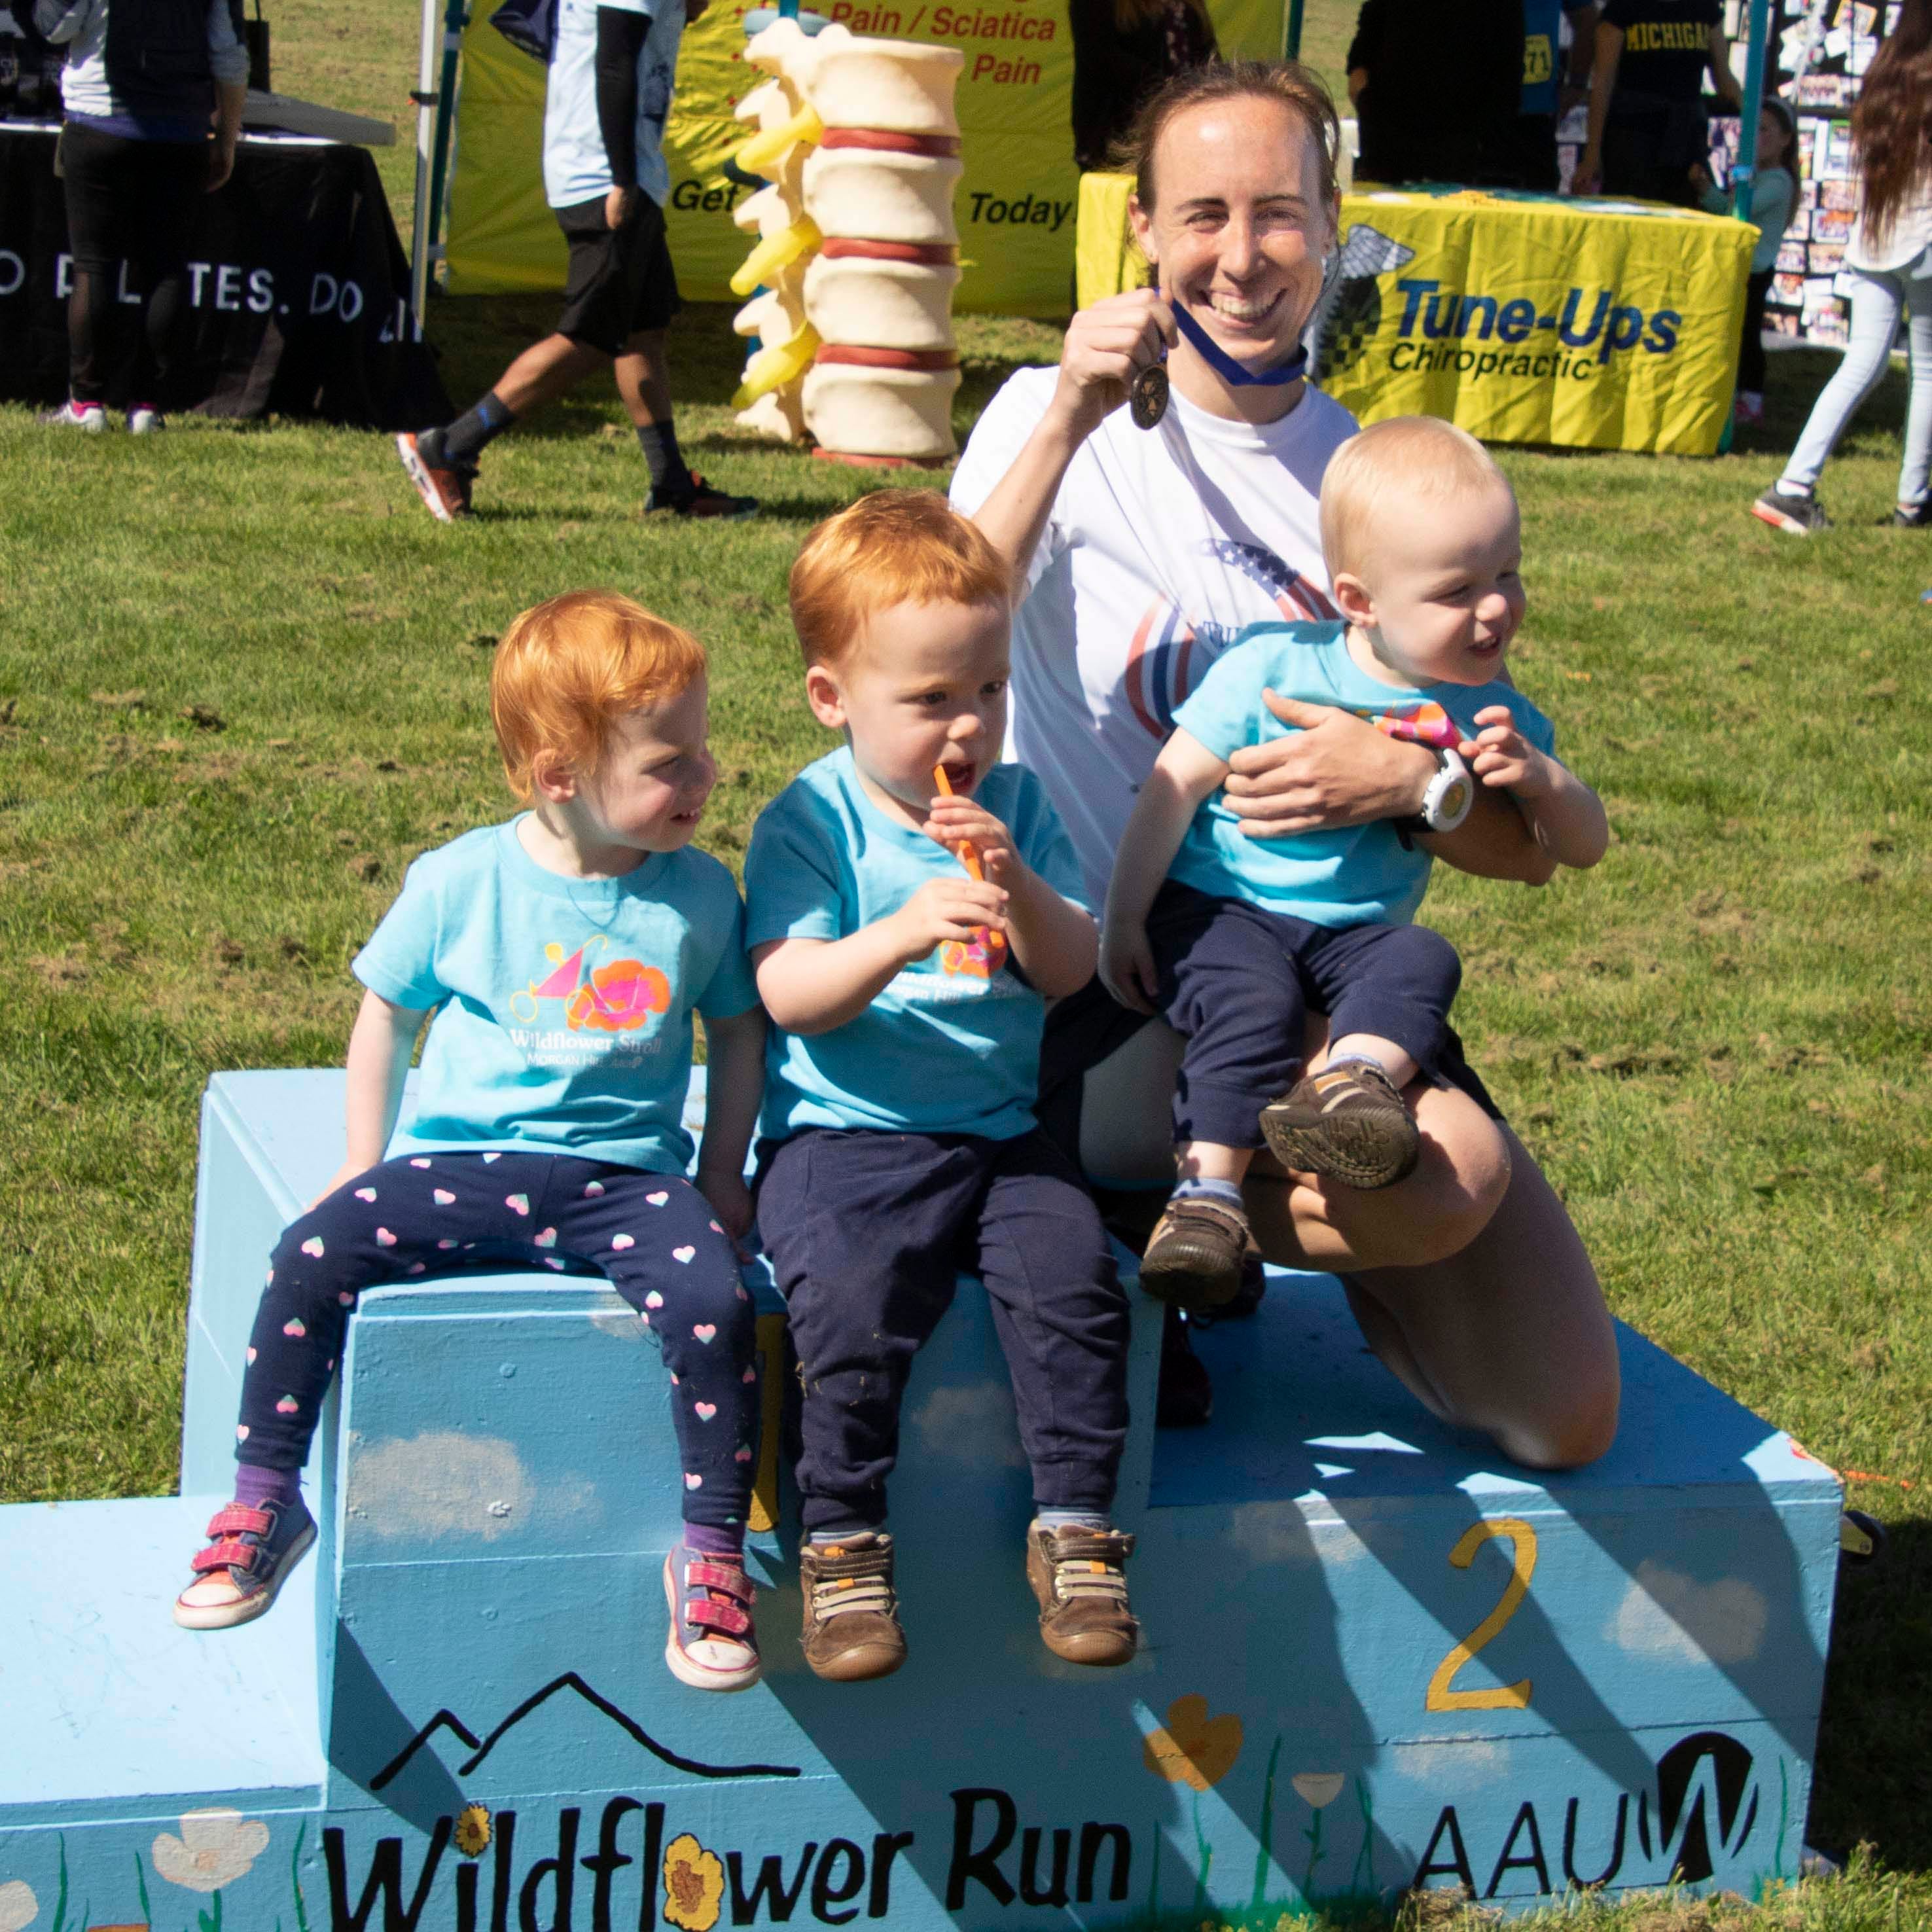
{"type": "Point", "coordinates": [1451, 792]}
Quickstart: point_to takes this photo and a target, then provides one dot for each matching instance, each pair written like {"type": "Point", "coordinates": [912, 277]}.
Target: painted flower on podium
{"type": "Point", "coordinates": [215, 1848]}
{"type": "Point", "coordinates": [1193, 1749]}
{"type": "Point", "coordinates": [1318, 1788]}
{"type": "Point", "coordinates": [472, 1830]}
{"type": "Point", "coordinates": [19, 1907]}
{"type": "Point", "coordinates": [694, 1882]}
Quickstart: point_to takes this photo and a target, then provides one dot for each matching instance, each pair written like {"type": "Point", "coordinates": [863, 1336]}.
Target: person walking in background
{"type": "Point", "coordinates": [143, 80]}
{"type": "Point", "coordinates": [1436, 88]}
{"type": "Point", "coordinates": [1123, 50]}
{"type": "Point", "coordinates": [1649, 132]}
{"type": "Point", "coordinates": [608, 94]}
{"type": "Point", "coordinates": [1888, 263]}
{"type": "Point", "coordinates": [1774, 195]}
{"type": "Point", "coordinates": [1531, 161]}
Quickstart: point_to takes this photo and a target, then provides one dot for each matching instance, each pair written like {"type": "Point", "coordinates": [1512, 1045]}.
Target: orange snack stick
{"type": "Point", "coordinates": [968, 857]}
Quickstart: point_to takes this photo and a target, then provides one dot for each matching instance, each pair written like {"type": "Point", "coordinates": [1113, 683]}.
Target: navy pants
{"type": "Point", "coordinates": [1237, 983]}
{"type": "Point", "coordinates": [651, 1235]}
{"type": "Point", "coordinates": [867, 1232]}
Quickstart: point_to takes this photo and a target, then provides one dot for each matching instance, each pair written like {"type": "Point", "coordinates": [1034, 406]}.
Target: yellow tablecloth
{"type": "Point", "coordinates": [1598, 325]}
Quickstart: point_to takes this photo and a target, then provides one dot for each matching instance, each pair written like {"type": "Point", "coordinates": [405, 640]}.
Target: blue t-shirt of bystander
{"type": "Point", "coordinates": [1362, 874]}
{"type": "Point", "coordinates": [952, 1045]}
{"type": "Point", "coordinates": [563, 1020]}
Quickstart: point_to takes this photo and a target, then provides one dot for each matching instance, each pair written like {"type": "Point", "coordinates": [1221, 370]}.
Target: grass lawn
{"type": "Point", "coordinates": [242, 683]}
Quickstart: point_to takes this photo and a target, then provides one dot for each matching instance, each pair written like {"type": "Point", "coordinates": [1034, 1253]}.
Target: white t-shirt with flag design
{"type": "Point", "coordinates": [1161, 547]}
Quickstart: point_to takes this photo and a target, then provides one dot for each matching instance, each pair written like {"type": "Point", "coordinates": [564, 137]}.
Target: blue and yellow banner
{"type": "Point", "coordinates": [1591, 325]}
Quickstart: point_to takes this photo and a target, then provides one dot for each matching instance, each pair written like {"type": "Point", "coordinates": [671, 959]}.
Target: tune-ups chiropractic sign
{"type": "Point", "coordinates": [1527, 319]}
{"type": "Point", "coordinates": [1523, 318]}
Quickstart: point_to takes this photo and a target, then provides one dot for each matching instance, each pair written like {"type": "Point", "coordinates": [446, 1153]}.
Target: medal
{"type": "Point", "coordinates": [1147, 396]}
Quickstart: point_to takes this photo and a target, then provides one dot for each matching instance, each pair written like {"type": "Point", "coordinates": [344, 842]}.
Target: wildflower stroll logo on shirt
{"type": "Point", "coordinates": [620, 998]}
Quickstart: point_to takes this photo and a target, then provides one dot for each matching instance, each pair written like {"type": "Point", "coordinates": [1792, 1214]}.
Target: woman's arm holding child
{"type": "Point", "coordinates": [1055, 942]}
{"type": "Point", "coordinates": [379, 1047]}
{"type": "Point", "coordinates": [1564, 816]}
{"type": "Point", "coordinates": [734, 1084]}
{"type": "Point", "coordinates": [1184, 774]}
{"type": "Point", "coordinates": [812, 985]}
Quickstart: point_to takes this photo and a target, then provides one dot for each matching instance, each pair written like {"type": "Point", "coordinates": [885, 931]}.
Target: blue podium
{"type": "Point", "coordinates": [1377, 1657]}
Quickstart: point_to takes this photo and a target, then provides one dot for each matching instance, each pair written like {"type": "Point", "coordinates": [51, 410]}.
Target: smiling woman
{"type": "Point", "coordinates": [1139, 557]}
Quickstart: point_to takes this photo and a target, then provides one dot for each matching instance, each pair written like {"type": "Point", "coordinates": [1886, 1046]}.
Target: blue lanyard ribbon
{"type": "Point", "coordinates": [1224, 366]}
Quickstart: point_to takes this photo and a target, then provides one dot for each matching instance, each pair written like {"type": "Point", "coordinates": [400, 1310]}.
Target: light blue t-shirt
{"type": "Point", "coordinates": [564, 1025]}
{"type": "Point", "coordinates": [947, 1048]}
{"type": "Point", "coordinates": [1361, 875]}
{"type": "Point", "coordinates": [576, 168]}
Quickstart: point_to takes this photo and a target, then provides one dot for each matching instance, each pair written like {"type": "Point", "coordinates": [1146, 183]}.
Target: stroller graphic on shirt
{"type": "Point", "coordinates": [618, 996]}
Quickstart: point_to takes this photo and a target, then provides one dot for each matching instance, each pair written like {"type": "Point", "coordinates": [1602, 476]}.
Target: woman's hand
{"type": "Point", "coordinates": [1105, 345]}
{"type": "Point", "coordinates": [1335, 769]}
{"type": "Point", "coordinates": [1126, 964]}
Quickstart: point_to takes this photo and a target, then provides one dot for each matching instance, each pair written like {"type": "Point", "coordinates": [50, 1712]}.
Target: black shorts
{"type": "Point", "coordinates": [1089, 1026]}
{"type": "Point", "coordinates": [620, 282]}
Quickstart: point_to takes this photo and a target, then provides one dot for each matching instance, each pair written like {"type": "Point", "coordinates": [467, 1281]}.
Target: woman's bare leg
{"type": "Point", "coordinates": [1477, 1293]}
{"type": "Point", "coordinates": [1511, 1336]}
{"type": "Point", "coordinates": [1125, 1141]}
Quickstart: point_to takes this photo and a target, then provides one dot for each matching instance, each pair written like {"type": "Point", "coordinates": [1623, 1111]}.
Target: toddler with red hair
{"type": "Point", "coordinates": [563, 954]}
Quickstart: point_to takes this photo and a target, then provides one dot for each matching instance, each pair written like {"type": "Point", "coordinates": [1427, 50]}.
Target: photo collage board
{"type": "Point", "coordinates": [1821, 49]}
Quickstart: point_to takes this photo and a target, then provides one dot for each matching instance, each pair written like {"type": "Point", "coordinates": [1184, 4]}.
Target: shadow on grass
{"type": "Point", "coordinates": [1874, 1770]}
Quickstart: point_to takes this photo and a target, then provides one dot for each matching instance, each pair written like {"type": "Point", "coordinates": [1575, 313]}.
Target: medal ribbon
{"type": "Point", "coordinates": [1224, 366]}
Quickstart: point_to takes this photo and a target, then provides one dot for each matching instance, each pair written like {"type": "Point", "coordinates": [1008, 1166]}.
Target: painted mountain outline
{"type": "Point", "coordinates": [447, 1720]}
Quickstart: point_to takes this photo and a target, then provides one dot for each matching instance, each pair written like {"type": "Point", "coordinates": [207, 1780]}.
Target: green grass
{"type": "Point", "coordinates": [242, 680]}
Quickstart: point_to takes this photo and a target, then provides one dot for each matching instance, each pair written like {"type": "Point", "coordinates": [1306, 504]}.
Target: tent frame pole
{"type": "Point", "coordinates": [1293, 44]}
{"type": "Point", "coordinates": [1743, 175]}
{"type": "Point", "coordinates": [424, 97]}
{"type": "Point", "coordinates": [435, 127]}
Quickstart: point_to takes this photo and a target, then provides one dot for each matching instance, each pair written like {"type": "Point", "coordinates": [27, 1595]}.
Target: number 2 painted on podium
{"type": "Point", "coordinates": [1522, 1540]}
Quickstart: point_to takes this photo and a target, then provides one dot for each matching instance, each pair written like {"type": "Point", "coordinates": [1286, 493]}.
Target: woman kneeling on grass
{"type": "Point", "coordinates": [1142, 555]}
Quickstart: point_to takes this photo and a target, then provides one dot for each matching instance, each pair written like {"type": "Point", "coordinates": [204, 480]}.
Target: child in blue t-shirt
{"type": "Point", "coordinates": [563, 954]}
{"type": "Point", "coordinates": [906, 944]}
{"type": "Point", "coordinates": [1232, 939]}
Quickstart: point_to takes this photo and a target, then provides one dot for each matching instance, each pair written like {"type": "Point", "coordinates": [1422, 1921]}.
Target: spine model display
{"type": "Point", "coordinates": [857, 255]}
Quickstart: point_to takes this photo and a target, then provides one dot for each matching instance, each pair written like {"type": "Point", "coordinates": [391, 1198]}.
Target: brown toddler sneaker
{"type": "Point", "coordinates": [1076, 1575]}
{"type": "Point", "coordinates": [1196, 1254]}
{"type": "Point", "coordinates": [1349, 1122]}
{"type": "Point", "coordinates": [851, 1610]}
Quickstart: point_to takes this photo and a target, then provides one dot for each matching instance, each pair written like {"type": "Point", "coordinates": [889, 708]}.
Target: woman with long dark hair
{"type": "Point", "coordinates": [1123, 50]}
{"type": "Point", "coordinates": [1888, 261]}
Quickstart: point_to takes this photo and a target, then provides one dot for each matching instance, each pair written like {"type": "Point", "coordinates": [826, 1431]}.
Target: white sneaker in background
{"type": "Point", "coordinates": [144, 419]}
{"type": "Point", "coordinates": [89, 416]}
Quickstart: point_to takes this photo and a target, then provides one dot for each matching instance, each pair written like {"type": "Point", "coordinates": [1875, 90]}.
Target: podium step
{"type": "Point", "coordinates": [1376, 1655]}
{"type": "Point", "coordinates": [104, 1698]}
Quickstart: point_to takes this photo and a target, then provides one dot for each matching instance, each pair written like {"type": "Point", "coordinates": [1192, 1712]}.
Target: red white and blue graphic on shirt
{"type": "Point", "coordinates": [1169, 654]}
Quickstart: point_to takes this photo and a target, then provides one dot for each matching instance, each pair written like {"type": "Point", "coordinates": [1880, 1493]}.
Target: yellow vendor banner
{"type": "Point", "coordinates": [1592, 324]}
{"type": "Point", "coordinates": [1017, 200]}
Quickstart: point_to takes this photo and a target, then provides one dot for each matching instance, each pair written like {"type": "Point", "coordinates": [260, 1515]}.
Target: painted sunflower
{"type": "Point", "coordinates": [694, 1883]}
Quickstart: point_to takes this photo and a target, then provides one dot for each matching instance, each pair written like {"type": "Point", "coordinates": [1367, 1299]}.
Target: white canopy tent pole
{"type": "Point", "coordinates": [424, 97]}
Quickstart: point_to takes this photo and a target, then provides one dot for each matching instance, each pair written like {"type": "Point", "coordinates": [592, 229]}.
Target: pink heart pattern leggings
{"type": "Point", "coordinates": [652, 1236]}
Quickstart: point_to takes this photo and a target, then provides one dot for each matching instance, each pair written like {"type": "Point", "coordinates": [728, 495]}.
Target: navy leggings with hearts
{"type": "Point", "coordinates": [652, 1235]}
